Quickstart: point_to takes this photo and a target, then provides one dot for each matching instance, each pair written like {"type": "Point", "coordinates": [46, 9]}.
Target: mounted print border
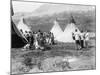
{"type": "Point", "coordinates": [52, 37]}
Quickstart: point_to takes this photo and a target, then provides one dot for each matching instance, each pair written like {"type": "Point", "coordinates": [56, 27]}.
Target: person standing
{"type": "Point", "coordinates": [76, 36]}
{"type": "Point", "coordinates": [82, 39]}
{"type": "Point", "coordinates": [86, 36]}
{"type": "Point", "coordinates": [52, 39]}
{"type": "Point", "coordinates": [31, 40]}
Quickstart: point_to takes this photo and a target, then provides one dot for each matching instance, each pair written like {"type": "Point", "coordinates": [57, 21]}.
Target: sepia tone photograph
{"type": "Point", "coordinates": [52, 37]}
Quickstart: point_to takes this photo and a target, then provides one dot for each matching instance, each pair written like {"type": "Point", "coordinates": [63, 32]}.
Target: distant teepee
{"type": "Point", "coordinates": [56, 30]}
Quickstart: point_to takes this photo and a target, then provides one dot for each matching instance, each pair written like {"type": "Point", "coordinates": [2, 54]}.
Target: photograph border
{"type": "Point", "coordinates": [49, 3]}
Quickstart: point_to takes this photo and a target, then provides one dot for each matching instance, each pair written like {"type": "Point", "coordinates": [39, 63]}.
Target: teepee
{"type": "Point", "coordinates": [67, 34]}
{"type": "Point", "coordinates": [23, 28]}
{"type": "Point", "coordinates": [69, 29]}
{"type": "Point", "coordinates": [56, 30]}
{"type": "Point", "coordinates": [16, 40]}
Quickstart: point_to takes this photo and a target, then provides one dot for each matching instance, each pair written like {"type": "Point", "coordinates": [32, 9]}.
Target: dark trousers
{"type": "Point", "coordinates": [82, 43]}
{"type": "Point", "coordinates": [77, 44]}
{"type": "Point", "coordinates": [31, 41]}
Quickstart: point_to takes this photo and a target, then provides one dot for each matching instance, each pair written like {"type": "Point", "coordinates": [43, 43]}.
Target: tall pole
{"type": "Point", "coordinates": [12, 12]}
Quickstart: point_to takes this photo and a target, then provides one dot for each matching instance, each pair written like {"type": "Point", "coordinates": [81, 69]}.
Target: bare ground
{"type": "Point", "coordinates": [61, 57]}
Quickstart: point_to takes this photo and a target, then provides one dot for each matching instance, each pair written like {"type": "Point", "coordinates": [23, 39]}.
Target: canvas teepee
{"type": "Point", "coordinates": [21, 26]}
{"type": "Point", "coordinates": [56, 30]}
{"type": "Point", "coordinates": [66, 36]}
{"type": "Point", "coordinates": [16, 40]}
{"type": "Point", "coordinates": [70, 28]}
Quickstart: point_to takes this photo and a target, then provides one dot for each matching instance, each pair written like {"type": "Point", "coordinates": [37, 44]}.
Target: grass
{"type": "Point", "coordinates": [51, 60]}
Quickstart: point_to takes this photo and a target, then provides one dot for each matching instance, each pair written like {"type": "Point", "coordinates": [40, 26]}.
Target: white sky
{"type": "Point", "coordinates": [19, 6]}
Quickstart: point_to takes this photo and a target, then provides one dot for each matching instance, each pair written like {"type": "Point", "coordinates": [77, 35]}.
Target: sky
{"type": "Point", "coordinates": [19, 6]}
{"type": "Point", "coordinates": [45, 8]}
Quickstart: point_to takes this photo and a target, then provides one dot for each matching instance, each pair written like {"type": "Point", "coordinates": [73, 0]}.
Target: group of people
{"type": "Point", "coordinates": [39, 40]}
{"type": "Point", "coordinates": [81, 39]}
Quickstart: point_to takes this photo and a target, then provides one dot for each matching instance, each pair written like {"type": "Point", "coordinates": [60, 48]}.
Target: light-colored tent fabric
{"type": "Point", "coordinates": [16, 32]}
{"type": "Point", "coordinates": [67, 34]}
{"type": "Point", "coordinates": [23, 27]}
{"type": "Point", "coordinates": [56, 30]}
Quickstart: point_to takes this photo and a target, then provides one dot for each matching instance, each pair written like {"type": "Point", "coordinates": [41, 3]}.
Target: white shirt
{"type": "Point", "coordinates": [82, 36]}
{"type": "Point", "coordinates": [86, 36]}
{"type": "Point", "coordinates": [76, 34]}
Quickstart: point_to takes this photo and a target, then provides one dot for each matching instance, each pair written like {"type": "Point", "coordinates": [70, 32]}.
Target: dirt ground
{"type": "Point", "coordinates": [60, 57]}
